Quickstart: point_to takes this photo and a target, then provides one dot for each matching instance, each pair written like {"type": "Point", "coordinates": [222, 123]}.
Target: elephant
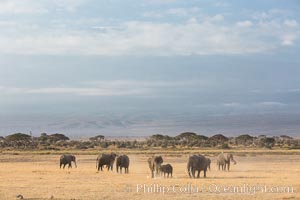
{"type": "Point", "coordinates": [154, 164]}
{"type": "Point", "coordinates": [197, 163]}
{"type": "Point", "coordinates": [105, 159]}
{"type": "Point", "coordinates": [122, 161]}
{"type": "Point", "coordinates": [166, 169]}
{"type": "Point", "coordinates": [224, 159]}
{"type": "Point", "coordinates": [67, 159]}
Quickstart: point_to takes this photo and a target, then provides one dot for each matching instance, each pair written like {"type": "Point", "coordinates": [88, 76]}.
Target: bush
{"type": "Point", "coordinates": [224, 146]}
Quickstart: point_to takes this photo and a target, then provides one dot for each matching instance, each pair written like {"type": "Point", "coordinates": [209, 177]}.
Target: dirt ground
{"type": "Point", "coordinates": [254, 177]}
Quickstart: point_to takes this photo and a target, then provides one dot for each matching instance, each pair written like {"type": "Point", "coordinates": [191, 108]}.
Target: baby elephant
{"type": "Point", "coordinates": [166, 169]}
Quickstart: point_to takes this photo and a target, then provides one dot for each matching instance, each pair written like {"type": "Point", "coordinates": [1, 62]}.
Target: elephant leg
{"type": "Point", "coordinates": [64, 166]}
{"type": "Point", "coordinates": [152, 173]}
{"type": "Point", "coordinates": [204, 173]}
{"type": "Point", "coordinates": [198, 175]}
{"type": "Point", "coordinates": [228, 166]}
{"type": "Point", "coordinates": [193, 173]}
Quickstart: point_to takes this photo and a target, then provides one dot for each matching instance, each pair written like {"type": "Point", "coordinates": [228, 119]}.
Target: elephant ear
{"type": "Point", "coordinates": [158, 159]}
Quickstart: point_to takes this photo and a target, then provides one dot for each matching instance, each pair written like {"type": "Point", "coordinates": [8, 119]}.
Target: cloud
{"type": "Point", "coordinates": [81, 91]}
{"type": "Point", "coordinates": [192, 37]}
{"type": "Point", "coordinates": [105, 88]}
{"type": "Point", "coordinates": [291, 23]}
{"type": "Point", "coordinates": [269, 14]}
{"type": "Point", "coordinates": [205, 35]}
{"type": "Point", "coordinates": [296, 90]}
{"type": "Point", "coordinates": [159, 2]}
{"type": "Point", "coordinates": [216, 18]}
{"type": "Point", "coordinates": [84, 91]}
{"type": "Point", "coordinates": [67, 5]}
{"type": "Point", "coordinates": [222, 4]}
{"type": "Point", "coordinates": [289, 39]}
{"type": "Point", "coordinates": [21, 7]}
{"type": "Point", "coordinates": [144, 84]}
{"type": "Point", "coordinates": [273, 21]}
{"type": "Point", "coordinates": [271, 103]}
{"type": "Point", "coordinates": [244, 24]}
{"type": "Point", "coordinates": [180, 12]}
{"type": "Point", "coordinates": [232, 104]}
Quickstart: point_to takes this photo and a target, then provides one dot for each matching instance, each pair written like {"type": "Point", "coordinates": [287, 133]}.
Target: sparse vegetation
{"type": "Point", "coordinates": [186, 140]}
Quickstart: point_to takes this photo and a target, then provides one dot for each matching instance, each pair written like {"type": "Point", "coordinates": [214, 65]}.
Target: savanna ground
{"type": "Point", "coordinates": [36, 175]}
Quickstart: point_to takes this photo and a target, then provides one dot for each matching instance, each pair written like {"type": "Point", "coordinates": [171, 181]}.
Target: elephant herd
{"type": "Point", "coordinates": [106, 160]}
{"type": "Point", "coordinates": [195, 164]}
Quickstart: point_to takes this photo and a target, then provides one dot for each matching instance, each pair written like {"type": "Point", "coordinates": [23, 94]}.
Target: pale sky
{"type": "Point", "coordinates": [208, 58]}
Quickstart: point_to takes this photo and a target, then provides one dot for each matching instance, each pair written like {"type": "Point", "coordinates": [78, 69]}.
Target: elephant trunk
{"type": "Point", "coordinates": [188, 169]}
{"type": "Point", "coordinates": [234, 162]}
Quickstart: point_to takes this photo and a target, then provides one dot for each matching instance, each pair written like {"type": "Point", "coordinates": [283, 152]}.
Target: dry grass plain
{"type": "Point", "coordinates": [38, 176]}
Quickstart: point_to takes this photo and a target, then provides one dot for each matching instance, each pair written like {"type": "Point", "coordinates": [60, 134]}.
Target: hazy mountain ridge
{"type": "Point", "coordinates": [137, 125]}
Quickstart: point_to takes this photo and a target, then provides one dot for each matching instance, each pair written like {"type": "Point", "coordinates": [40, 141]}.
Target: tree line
{"type": "Point", "coordinates": [59, 141]}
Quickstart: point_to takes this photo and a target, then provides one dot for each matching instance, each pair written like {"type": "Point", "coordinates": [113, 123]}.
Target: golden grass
{"type": "Point", "coordinates": [38, 176]}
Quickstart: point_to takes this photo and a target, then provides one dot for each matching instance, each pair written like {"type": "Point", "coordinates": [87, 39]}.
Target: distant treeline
{"type": "Point", "coordinates": [184, 140]}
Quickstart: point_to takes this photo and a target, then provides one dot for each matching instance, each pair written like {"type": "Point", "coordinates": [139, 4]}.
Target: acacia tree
{"type": "Point", "coordinates": [18, 140]}
{"type": "Point", "coordinates": [97, 138]}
